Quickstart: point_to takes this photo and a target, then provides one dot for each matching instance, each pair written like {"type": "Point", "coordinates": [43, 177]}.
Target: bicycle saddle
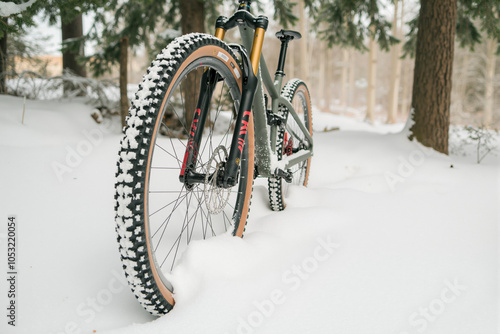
{"type": "Point", "coordinates": [288, 34]}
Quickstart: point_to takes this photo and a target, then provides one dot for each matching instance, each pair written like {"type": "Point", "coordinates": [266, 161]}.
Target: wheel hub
{"type": "Point", "coordinates": [216, 197]}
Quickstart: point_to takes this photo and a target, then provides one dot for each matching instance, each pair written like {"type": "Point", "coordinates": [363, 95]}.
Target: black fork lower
{"type": "Point", "coordinates": [229, 177]}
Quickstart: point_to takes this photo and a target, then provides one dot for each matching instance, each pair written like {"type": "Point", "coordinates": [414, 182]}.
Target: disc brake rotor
{"type": "Point", "coordinates": [215, 197]}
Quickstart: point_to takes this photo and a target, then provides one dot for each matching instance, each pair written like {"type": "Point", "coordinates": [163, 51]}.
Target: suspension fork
{"type": "Point", "coordinates": [241, 127]}
{"type": "Point", "coordinates": [188, 176]}
{"type": "Point", "coordinates": [250, 66]}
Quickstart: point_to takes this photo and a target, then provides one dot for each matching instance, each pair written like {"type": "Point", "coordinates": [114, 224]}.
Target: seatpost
{"type": "Point", "coordinates": [281, 60]}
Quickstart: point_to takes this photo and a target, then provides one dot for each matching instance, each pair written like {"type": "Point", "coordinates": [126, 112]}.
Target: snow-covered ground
{"type": "Point", "coordinates": [388, 238]}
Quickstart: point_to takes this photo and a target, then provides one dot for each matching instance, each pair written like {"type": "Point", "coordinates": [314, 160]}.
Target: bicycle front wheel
{"type": "Point", "coordinates": [157, 215]}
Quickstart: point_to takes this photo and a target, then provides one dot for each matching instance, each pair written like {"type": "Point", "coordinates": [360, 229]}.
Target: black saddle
{"type": "Point", "coordinates": [288, 35]}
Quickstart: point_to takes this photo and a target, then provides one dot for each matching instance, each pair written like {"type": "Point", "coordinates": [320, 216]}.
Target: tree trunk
{"type": "Point", "coordinates": [291, 53]}
{"type": "Point", "coordinates": [192, 16]}
{"type": "Point", "coordinates": [343, 78]}
{"type": "Point", "coordinates": [321, 97]}
{"type": "Point", "coordinates": [329, 79]}
{"type": "Point", "coordinates": [352, 73]}
{"type": "Point", "coordinates": [405, 71]}
{"type": "Point", "coordinates": [432, 74]}
{"type": "Point", "coordinates": [3, 63]}
{"type": "Point", "coordinates": [69, 30]}
{"type": "Point", "coordinates": [372, 76]}
{"type": "Point", "coordinates": [395, 71]}
{"type": "Point", "coordinates": [462, 85]}
{"type": "Point", "coordinates": [311, 51]}
{"type": "Point", "coordinates": [124, 105]}
{"type": "Point", "coordinates": [73, 29]}
{"type": "Point", "coordinates": [404, 94]}
{"type": "Point", "coordinates": [192, 20]}
{"type": "Point", "coordinates": [489, 84]}
{"type": "Point", "coordinates": [303, 42]}
{"type": "Point", "coordinates": [291, 60]}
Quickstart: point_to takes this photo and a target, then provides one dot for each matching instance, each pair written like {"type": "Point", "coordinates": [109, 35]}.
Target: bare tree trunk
{"type": "Point", "coordinates": [322, 76]}
{"type": "Point", "coordinates": [404, 95]}
{"type": "Point", "coordinates": [405, 71]}
{"type": "Point", "coordinates": [193, 16]}
{"type": "Point", "coordinates": [329, 79]}
{"type": "Point", "coordinates": [311, 49]}
{"type": "Point", "coordinates": [462, 84]}
{"type": "Point", "coordinates": [432, 75]}
{"type": "Point", "coordinates": [352, 73]}
{"type": "Point", "coordinates": [73, 29]}
{"type": "Point", "coordinates": [193, 20]}
{"type": "Point", "coordinates": [70, 30]}
{"type": "Point", "coordinates": [124, 104]}
{"type": "Point", "coordinates": [291, 53]}
{"type": "Point", "coordinates": [3, 63]}
{"type": "Point", "coordinates": [343, 78]}
{"type": "Point", "coordinates": [303, 42]}
{"type": "Point", "coordinates": [489, 84]}
{"type": "Point", "coordinates": [395, 70]}
{"type": "Point", "coordinates": [291, 60]}
{"type": "Point", "coordinates": [372, 78]}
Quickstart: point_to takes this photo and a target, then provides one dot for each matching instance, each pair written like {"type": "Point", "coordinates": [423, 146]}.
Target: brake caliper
{"type": "Point", "coordinates": [288, 147]}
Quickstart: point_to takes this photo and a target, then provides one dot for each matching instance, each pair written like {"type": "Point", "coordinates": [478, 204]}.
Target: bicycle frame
{"type": "Point", "coordinates": [262, 137]}
{"type": "Point", "coordinates": [252, 30]}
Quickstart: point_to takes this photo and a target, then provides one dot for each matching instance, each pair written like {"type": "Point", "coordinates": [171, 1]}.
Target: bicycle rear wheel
{"type": "Point", "coordinates": [157, 215]}
{"type": "Point", "coordinates": [290, 140]}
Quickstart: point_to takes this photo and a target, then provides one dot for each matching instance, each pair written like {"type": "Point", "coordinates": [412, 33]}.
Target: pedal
{"type": "Point", "coordinates": [287, 176]}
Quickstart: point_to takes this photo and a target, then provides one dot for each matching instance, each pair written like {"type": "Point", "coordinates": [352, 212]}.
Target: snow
{"type": "Point", "coordinates": [389, 237]}
{"type": "Point", "coordinates": [10, 8]}
{"type": "Point", "coordinates": [98, 92]}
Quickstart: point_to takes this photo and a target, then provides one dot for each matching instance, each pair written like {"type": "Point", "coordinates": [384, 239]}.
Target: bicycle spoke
{"type": "Point", "coordinates": [178, 239]}
{"type": "Point", "coordinates": [173, 156]}
{"type": "Point", "coordinates": [164, 207]}
{"type": "Point", "coordinates": [168, 219]}
{"type": "Point", "coordinates": [177, 168]}
{"type": "Point", "coordinates": [183, 123]}
{"type": "Point", "coordinates": [184, 226]}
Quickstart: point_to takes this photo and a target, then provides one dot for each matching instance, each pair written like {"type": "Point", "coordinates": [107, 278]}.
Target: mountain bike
{"type": "Point", "coordinates": [199, 131]}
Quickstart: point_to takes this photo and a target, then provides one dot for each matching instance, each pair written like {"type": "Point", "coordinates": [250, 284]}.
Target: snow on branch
{"type": "Point", "coordinates": [10, 8]}
{"type": "Point", "coordinates": [98, 93]}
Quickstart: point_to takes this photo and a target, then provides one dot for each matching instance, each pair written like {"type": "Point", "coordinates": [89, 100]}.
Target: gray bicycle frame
{"type": "Point", "coordinates": [265, 146]}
